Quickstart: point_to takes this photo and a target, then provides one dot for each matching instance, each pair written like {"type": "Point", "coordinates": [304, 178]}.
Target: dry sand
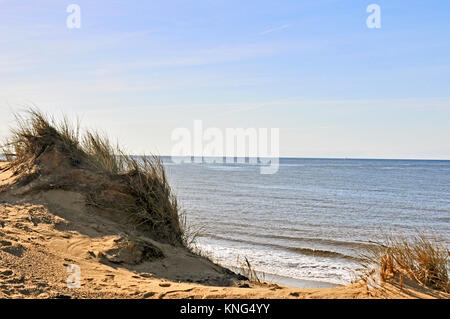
{"type": "Point", "coordinates": [42, 233]}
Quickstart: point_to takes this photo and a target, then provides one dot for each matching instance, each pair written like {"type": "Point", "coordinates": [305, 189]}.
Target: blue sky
{"type": "Point", "coordinates": [335, 88]}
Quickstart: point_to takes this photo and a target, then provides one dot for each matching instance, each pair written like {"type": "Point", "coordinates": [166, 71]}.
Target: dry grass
{"type": "Point", "coordinates": [246, 269]}
{"type": "Point", "coordinates": [148, 184]}
{"type": "Point", "coordinates": [419, 258]}
{"type": "Point", "coordinates": [190, 232]}
{"type": "Point", "coordinates": [102, 154]}
{"type": "Point", "coordinates": [36, 133]}
{"type": "Point", "coordinates": [154, 205]}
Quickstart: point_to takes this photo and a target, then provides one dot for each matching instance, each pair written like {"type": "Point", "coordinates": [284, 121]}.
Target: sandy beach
{"type": "Point", "coordinates": [44, 232]}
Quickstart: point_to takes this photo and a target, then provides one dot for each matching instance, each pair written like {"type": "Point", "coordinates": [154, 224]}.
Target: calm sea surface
{"type": "Point", "coordinates": [311, 219]}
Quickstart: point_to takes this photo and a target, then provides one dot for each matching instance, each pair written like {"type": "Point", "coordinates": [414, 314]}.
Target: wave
{"type": "Point", "coordinates": [302, 250]}
{"type": "Point", "coordinates": [319, 252]}
{"type": "Point", "coordinates": [331, 242]}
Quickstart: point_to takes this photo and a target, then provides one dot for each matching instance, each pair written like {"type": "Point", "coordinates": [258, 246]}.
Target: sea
{"type": "Point", "coordinates": [308, 224]}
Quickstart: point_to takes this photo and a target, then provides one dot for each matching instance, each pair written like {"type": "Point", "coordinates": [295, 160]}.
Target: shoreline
{"type": "Point", "coordinates": [298, 283]}
{"type": "Point", "coordinates": [287, 281]}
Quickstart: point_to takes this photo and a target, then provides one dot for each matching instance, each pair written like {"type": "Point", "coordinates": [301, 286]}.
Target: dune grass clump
{"type": "Point", "coordinates": [147, 183]}
{"type": "Point", "coordinates": [37, 133]}
{"type": "Point", "coordinates": [418, 258]}
{"type": "Point", "coordinates": [102, 154]}
{"type": "Point", "coordinates": [143, 179]}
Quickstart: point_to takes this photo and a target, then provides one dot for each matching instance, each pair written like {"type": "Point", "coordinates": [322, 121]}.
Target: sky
{"type": "Point", "coordinates": [138, 70]}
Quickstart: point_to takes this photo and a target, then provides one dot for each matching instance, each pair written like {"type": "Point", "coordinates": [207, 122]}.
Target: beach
{"type": "Point", "coordinates": [43, 233]}
{"type": "Point", "coordinates": [313, 219]}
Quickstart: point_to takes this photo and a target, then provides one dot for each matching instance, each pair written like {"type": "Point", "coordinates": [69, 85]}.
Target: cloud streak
{"type": "Point", "coordinates": [282, 27]}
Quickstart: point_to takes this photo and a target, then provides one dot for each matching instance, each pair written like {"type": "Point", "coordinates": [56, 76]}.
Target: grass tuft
{"type": "Point", "coordinates": [419, 258]}
{"type": "Point", "coordinates": [148, 184]}
{"type": "Point", "coordinates": [102, 154]}
{"type": "Point", "coordinates": [246, 269]}
{"type": "Point", "coordinates": [37, 133]}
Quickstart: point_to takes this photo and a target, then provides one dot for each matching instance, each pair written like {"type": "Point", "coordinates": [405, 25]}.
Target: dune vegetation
{"type": "Point", "coordinates": [144, 193]}
{"type": "Point", "coordinates": [422, 259]}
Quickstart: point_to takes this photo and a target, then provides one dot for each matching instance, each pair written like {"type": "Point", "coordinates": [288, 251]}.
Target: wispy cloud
{"type": "Point", "coordinates": [186, 58]}
{"type": "Point", "coordinates": [284, 26]}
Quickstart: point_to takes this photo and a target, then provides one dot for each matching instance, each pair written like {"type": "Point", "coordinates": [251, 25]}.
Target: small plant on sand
{"type": "Point", "coordinates": [419, 258]}
{"type": "Point", "coordinates": [190, 232]}
{"type": "Point", "coordinates": [246, 269]}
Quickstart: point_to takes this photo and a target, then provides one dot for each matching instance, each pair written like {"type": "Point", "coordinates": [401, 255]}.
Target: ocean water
{"type": "Point", "coordinates": [311, 219]}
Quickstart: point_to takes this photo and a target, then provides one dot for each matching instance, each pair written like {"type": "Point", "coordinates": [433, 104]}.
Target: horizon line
{"type": "Point", "coordinates": [324, 158]}
{"type": "Point", "coordinates": [294, 157]}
